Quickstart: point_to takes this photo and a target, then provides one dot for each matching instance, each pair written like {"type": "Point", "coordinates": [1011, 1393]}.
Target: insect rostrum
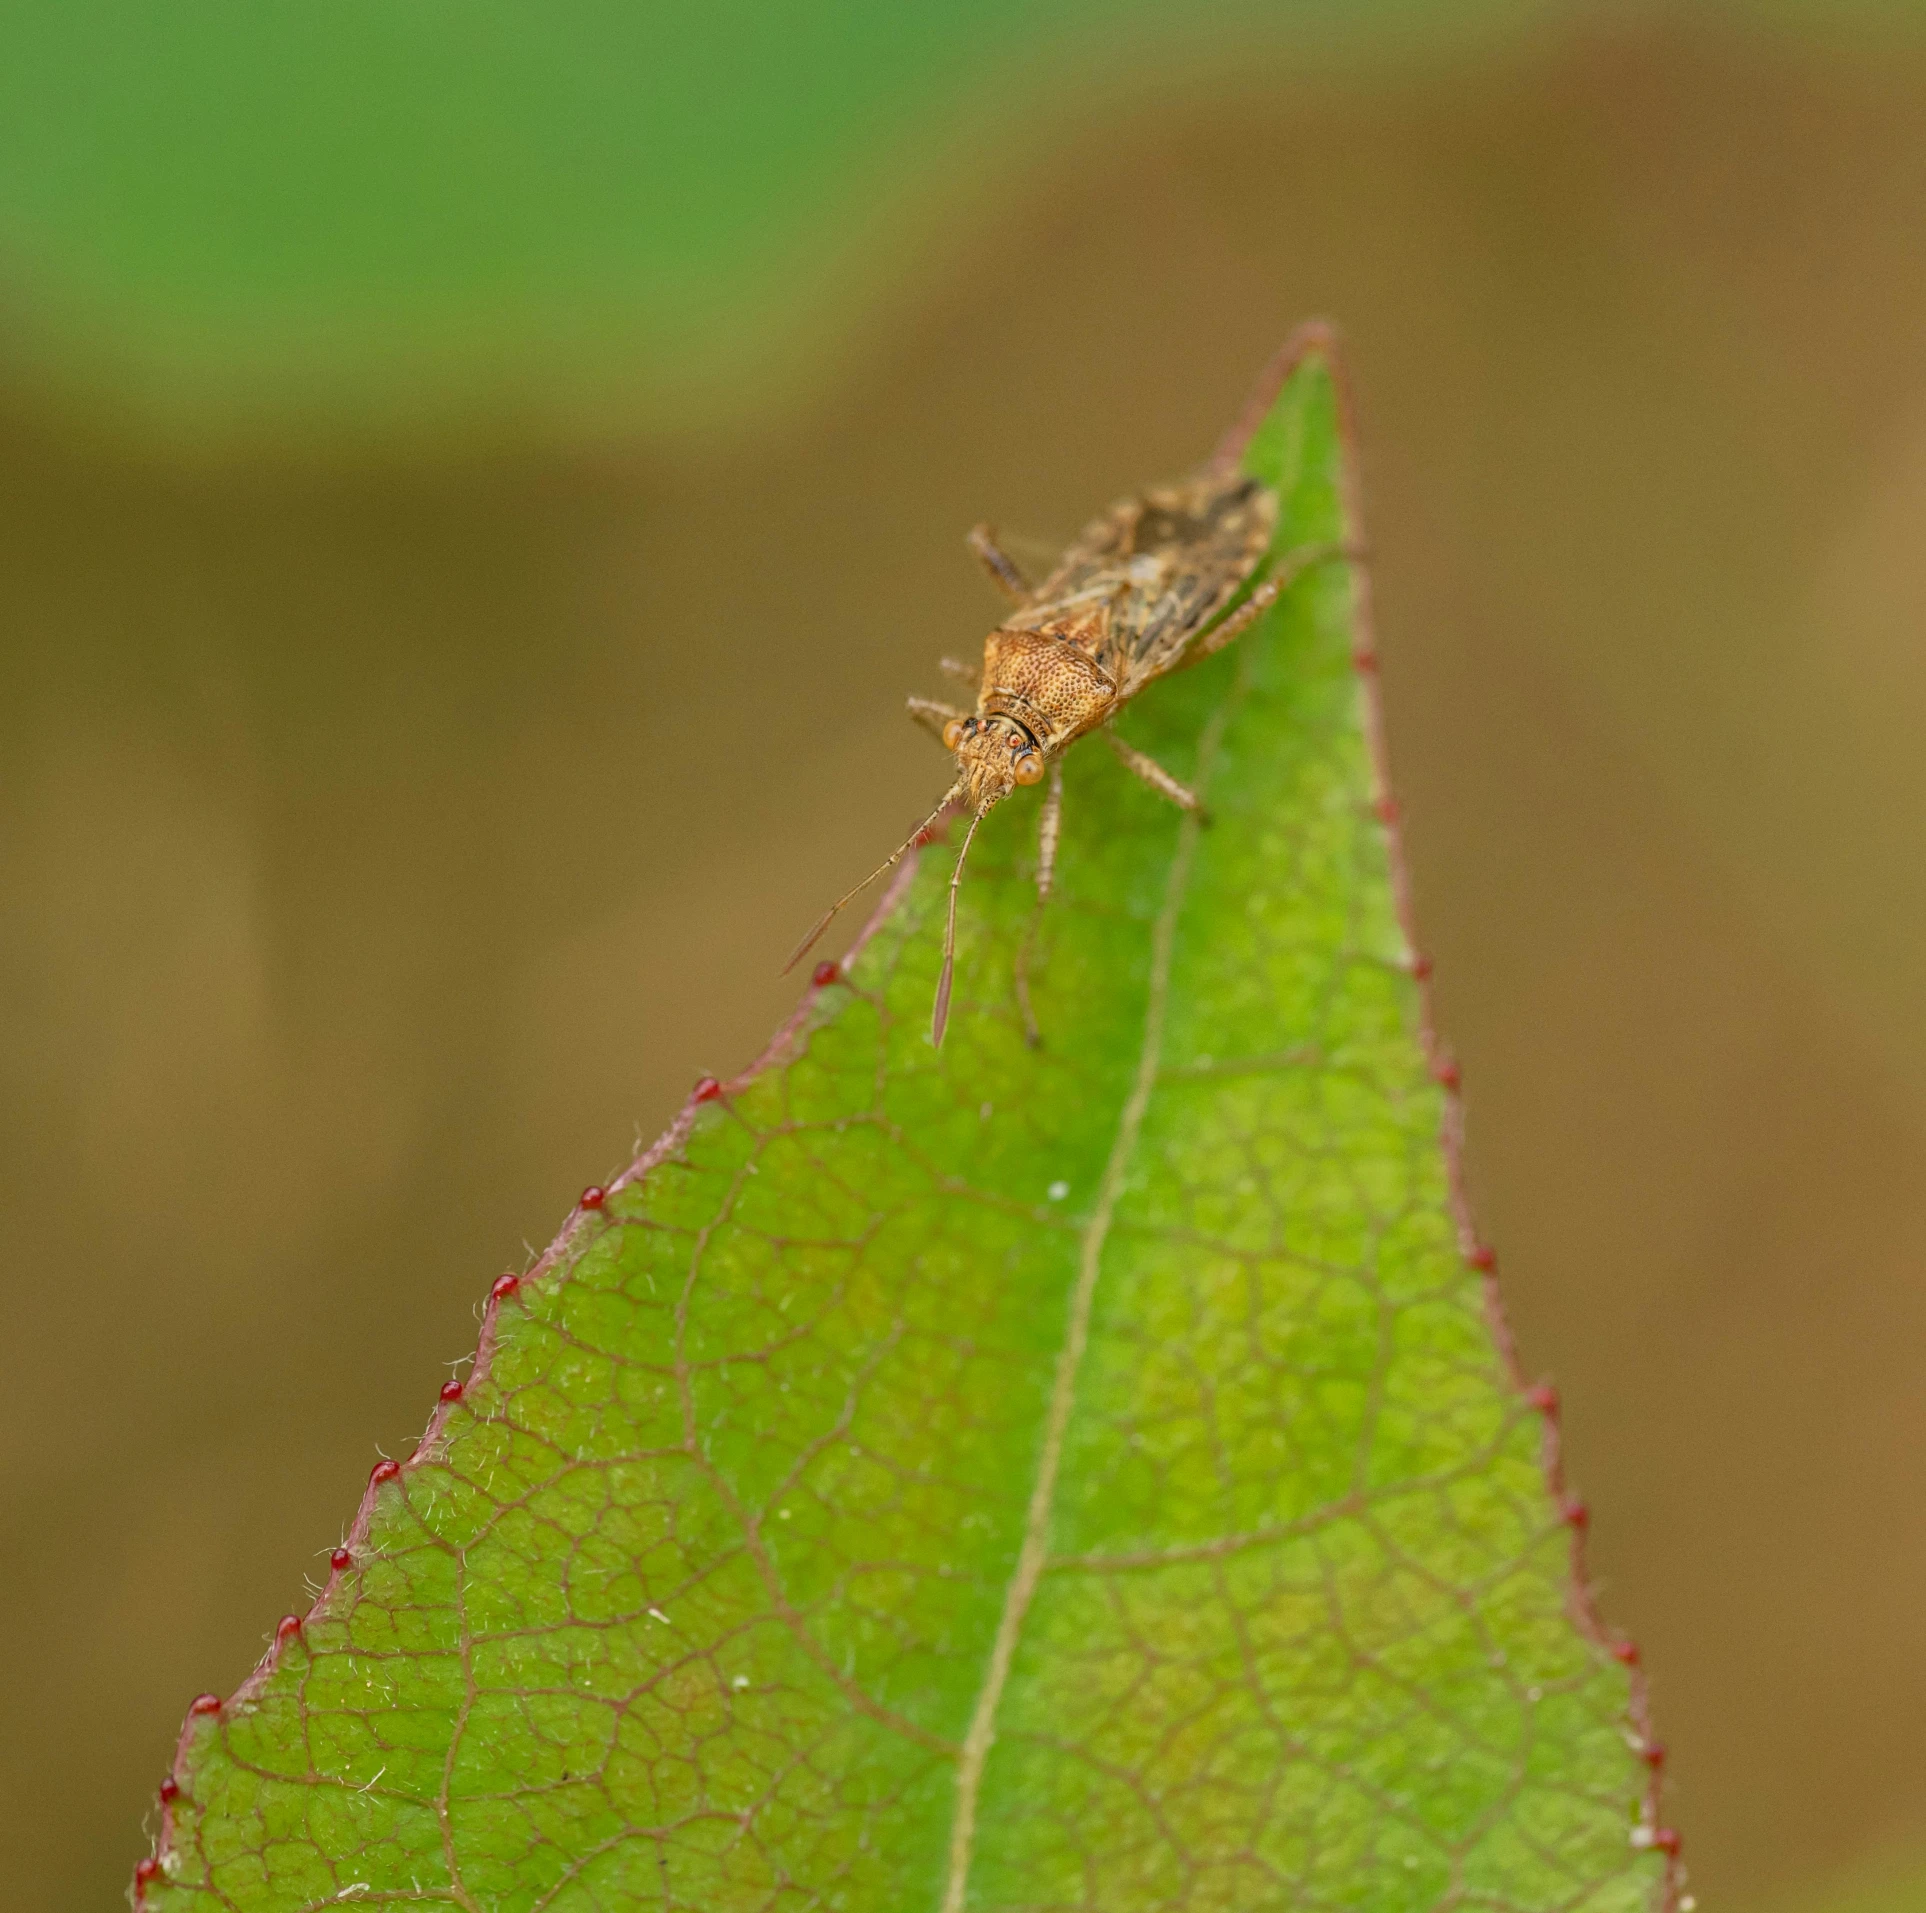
{"type": "Point", "coordinates": [1147, 588]}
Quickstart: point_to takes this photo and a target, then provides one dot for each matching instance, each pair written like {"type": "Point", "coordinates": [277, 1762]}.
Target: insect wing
{"type": "Point", "coordinates": [1155, 570]}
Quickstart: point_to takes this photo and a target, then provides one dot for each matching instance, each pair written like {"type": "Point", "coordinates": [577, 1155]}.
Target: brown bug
{"type": "Point", "coordinates": [1140, 593]}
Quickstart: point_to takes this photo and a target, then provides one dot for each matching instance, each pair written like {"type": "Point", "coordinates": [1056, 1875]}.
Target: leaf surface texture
{"type": "Point", "coordinates": [1079, 1478]}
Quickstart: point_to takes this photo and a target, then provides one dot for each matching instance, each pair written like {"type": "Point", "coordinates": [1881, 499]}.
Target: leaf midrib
{"type": "Point", "coordinates": [1033, 1556]}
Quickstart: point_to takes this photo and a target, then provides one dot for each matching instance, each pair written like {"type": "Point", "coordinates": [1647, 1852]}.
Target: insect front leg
{"type": "Point", "coordinates": [1005, 573]}
{"type": "Point", "coordinates": [963, 673]}
{"type": "Point", "coordinates": [933, 714]}
{"type": "Point", "coordinates": [1049, 829]}
{"type": "Point", "coordinates": [1153, 774]}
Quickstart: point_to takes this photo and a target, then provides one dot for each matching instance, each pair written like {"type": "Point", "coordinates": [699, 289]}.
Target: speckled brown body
{"type": "Point", "coordinates": [1121, 607]}
{"type": "Point", "coordinates": [1148, 587]}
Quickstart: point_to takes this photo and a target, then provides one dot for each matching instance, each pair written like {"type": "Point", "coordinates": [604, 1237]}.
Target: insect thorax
{"type": "Point", "coordinates": [1046, 681]}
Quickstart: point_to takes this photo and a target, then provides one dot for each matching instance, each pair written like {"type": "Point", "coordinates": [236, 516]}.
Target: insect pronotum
{"type": "Point", "coordinates": [1147, 588]}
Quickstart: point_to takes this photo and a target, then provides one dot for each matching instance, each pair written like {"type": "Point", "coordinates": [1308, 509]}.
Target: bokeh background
{"type": "Point", "coordinates": [475, 485]}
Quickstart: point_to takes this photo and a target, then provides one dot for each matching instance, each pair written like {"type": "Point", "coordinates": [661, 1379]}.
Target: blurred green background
{"type": "Point", "coordinates": [475, 484]}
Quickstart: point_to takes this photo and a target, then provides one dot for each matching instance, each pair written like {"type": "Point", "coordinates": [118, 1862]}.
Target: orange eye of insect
{"type": "Point", "coordinates": [952, 733]}
{"type": "Point", "coordinates": [1029, 768]}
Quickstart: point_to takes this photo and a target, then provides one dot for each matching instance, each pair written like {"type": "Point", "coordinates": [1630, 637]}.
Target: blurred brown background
{"type": "Point", "coordinates": [388, 837]}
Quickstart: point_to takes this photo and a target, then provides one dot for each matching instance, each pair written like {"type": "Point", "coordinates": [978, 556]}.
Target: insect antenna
{"type": "Point", "coordinates": [889, 863]}
{"type": "Point", "coordinates": [940, 1015]}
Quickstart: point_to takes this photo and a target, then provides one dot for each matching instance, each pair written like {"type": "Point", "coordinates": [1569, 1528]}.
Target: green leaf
{"type": "Point", "coordinates": [1080, 1477]}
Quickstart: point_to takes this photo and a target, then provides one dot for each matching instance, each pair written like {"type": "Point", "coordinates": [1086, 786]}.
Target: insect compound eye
{"type": "Point", "coordinates": [952, 733]}
{"type": "Point", "coordinates": [1029, 768]}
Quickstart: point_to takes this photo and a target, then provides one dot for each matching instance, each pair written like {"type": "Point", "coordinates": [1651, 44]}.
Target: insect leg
{"type": "Point", "coordinates": [1291, 567]}
{"type": "Point", "coordinates": [956, 668]}
{"type": "Point", "coordinates": [933, 714]}
{"type": "Point", "coordinates": [1239, 621]}
{"type": "Point", "coordinates": [1153, 774]}
{"type": "Point", "coordinates": [1005, 573]}
{"type": "Point", "coordinates": [1049, 828]}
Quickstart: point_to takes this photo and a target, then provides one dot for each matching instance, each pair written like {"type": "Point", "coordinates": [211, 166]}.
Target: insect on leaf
{"type": "Point", "coordinates": [1086, 1477]}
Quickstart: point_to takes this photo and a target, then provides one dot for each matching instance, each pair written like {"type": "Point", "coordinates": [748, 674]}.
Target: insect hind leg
{"type": "Point", "coordinates": [1239, 621]}
{"type": "Point", "coordinates": [1290, 568]}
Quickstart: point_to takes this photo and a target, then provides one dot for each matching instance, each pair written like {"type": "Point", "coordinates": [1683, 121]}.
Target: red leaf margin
{"type": "Point", "coordinates": [1316, 339]}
